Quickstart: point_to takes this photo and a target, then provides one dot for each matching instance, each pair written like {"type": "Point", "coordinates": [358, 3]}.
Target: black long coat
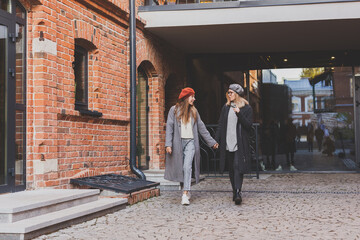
{"type": "Point", "coordinates": [245, 120]}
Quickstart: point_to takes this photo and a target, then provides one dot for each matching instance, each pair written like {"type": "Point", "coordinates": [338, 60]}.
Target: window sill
{"type": "Point", "coordinates": [86, 112]}
{"type": "Point", "coordinates": [94, 120]}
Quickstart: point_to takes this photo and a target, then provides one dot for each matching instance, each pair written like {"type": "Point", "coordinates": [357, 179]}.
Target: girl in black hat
{"type": "Point", "coordinates": [232, 134]}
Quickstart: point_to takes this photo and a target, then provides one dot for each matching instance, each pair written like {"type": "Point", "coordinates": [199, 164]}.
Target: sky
{"type": "Point", "coordinates": [286, 73]}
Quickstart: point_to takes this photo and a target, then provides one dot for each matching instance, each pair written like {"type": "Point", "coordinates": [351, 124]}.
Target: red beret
{"type": "Point", "coordinates": [186, 92]}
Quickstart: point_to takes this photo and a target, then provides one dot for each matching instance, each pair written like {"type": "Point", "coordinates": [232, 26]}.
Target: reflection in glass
{"type": "Point", "coordinates": [20, 64]}
{"type": "Point", "coordinates": [309, 104]}
{"type": "Point", "coordinates": [5, 5]}
{"type": "Point", "coordinates": [19, 148]}
{"type": "Point", "coordinates": [3, 77]}
{"type": "Point", "coordinates": [318, 132]}
{"type": "Point", "coordinates": [296, 104]}
{"type": "Point", "coordinates": [355, 93]}
{"type": "Point", "coordinates": [20, 12]}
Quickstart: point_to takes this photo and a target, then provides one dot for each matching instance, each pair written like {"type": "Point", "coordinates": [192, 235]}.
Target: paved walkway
{"type": "Point", "coordinates": [287, 206]}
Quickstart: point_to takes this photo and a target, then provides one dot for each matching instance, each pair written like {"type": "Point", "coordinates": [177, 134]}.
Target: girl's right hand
{"type": "Point", "coordinates": [169, 150]}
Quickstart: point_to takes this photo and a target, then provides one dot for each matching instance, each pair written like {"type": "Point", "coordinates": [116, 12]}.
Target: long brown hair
{"type": "Point", "coordinates": [185, 110]}
{"type": "Point", "coordinates": [239, 101]}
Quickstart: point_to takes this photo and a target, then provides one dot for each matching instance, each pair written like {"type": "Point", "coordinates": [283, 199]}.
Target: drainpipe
{"type": "Point", "coordinates": [132, 26]}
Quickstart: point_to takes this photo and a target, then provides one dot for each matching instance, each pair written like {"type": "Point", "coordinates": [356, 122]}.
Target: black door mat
{"type": "Point", "coordinates": [114, 182]}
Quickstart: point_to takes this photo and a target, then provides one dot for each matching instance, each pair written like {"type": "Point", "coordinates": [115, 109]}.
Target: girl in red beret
{"type": "Point", "coordinates": [183, 127]}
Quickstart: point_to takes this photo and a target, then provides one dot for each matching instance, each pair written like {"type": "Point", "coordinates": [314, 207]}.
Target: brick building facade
{"type": "Point", "coordinates": [61, 142]}
{"type": "Point", "coordinates": [65, 84]}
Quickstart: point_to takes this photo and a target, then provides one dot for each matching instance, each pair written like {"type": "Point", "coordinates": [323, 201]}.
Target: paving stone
{"type": "Point", "coordinates": [284, 206]}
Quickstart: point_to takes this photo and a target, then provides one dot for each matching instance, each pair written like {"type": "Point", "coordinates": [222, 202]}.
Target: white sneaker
{"type": "Point", "coordinates": [185, 200]}
{"type": "Point", "coordinates": [292, 168]}
{"type": "Point", "coordinates": [279, 168]}
{"type": "Point", "coordinates": [189, 195]}
{"type": "Point", "coordinates": [262, 165]}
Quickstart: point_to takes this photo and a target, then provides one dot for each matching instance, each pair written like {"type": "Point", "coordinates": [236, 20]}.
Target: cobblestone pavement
{"type": "Point", "coordinates": [284, 206]}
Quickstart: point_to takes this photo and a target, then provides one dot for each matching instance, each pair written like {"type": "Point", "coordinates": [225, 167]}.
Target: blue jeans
{"type": "Point", "coordinates": [188, 157]}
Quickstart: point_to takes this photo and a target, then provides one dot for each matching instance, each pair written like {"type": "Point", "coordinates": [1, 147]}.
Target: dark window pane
{"type": "Point", "coordinates": [19, 148]}
{"type": "Point", "coordinates": [142, 121]}
{"type": "Point", "coordinates": [5, 5]}
{"type": "Point", "coordinates": [80, 71]}
{"type": "Point", "coordinates": [20, 64]}
{"type": "Point", "coordinates": [3, 77]}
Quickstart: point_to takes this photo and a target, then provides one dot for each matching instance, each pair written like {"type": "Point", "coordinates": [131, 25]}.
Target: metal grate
{"type": "Point", "coordinates": [114, 182]}
{"type": "Point", "coordinates": [349, 163]}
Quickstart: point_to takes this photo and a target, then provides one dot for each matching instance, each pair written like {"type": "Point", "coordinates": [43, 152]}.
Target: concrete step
{"type": "Point", "coordinates": [158, 176]}
{"type": "Point", "coordinates": [154, 173]}
{"type": "Point", "coordinates": [165, 185]}
{"type": "Point", "coordinates": [27, 204]}
{"type": "Point", "coordinates": [35, 226]}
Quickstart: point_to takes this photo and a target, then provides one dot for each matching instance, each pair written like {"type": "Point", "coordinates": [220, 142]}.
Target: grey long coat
{"type": "Point", "coordinates": [174, 162]}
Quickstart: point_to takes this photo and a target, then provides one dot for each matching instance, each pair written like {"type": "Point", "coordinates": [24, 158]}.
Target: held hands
{"type": "Point", "coordinates": [216, 146]}
{"type": "Point", "coordinates": [168, 150]}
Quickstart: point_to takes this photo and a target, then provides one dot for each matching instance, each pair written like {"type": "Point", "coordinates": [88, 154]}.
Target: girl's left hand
{"type": "Point", "coordinates": [216, 146]}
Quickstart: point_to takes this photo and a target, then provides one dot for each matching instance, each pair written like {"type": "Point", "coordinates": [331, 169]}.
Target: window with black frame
{"type": "Point", "coordinates": [80, 66]}
{"type": "Point", "coordinates": [12, 96]}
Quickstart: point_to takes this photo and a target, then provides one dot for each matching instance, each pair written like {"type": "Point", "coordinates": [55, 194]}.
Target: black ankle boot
{"type": "Point", "coordinates": [238, 198]}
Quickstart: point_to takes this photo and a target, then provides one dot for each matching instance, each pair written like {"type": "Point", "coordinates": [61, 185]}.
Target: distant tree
{"type": "Point", "coordinates": [311, 72]}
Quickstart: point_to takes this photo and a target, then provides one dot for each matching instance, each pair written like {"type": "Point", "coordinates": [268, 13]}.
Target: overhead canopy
{"type": "Point", "coordinates": [256, 29]}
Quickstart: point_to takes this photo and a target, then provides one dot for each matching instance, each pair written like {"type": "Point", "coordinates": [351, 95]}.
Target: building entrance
{"type": "Point", "coordinates": [307, 119]}
{"type": "Point", "coordinates": [303, 103]}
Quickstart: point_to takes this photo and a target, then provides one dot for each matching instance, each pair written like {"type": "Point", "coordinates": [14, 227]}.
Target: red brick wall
{"type": "Point", "coordinates": [60, 142]}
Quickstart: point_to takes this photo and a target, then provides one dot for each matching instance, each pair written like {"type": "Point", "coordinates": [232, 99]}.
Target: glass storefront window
{"type": "Point", "coordinates": [355, 93]}
{"type": "Point", "coordinates": [319, 137]}
{"type": "Point", "coordinates": [306, 118]}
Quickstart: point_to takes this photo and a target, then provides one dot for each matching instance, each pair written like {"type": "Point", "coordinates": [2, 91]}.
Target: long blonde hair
{"type": "Point", "coordinates": [239, 101]}
{"type": "Point", "coordinates": [185, 110]}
